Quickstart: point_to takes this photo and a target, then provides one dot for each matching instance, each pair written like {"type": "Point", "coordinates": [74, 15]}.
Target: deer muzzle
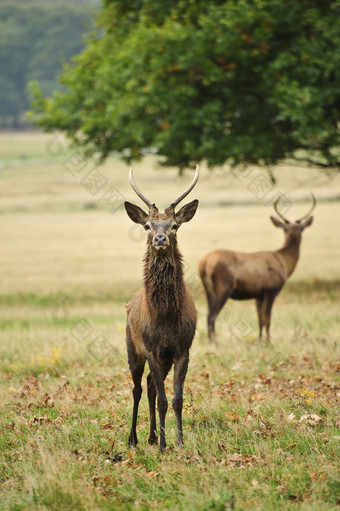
{"type": "Point", "coordinates": [160, 241]}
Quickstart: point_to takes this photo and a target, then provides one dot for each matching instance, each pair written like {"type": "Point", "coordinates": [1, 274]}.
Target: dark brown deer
{"type": "Point", "coordinates": [161, 318]}
{"type": "Point", "coordinates": [259, 275]}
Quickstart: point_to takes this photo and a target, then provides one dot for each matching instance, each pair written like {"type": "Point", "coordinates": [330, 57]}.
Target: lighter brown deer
{"type": "Point", "coordinates": [161, 318]}
{"type": "Point", "coordinates": [258, 275]}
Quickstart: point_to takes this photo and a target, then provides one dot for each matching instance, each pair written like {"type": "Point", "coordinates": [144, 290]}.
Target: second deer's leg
{"type": "Point", "coordinates": [260, 314]}
{"type": "Point", "coordinates": [211, 328]}
{"type": "Point", "coordinates": [210, 319]}
{"type": "Point", "coordinates": [267, 313]}
{"type": "Point", "coordinates": [218, 288]}
{"type": "Point", "coordinates": [214, 310]}
{"type": "Point", "coordinates": [180, 371]}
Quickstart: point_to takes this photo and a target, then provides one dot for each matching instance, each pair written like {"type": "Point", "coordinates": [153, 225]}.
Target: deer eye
{"type": "Point", "coordinates": [147, 227]}
{"type": "Point", "coordinates": [175, 227]}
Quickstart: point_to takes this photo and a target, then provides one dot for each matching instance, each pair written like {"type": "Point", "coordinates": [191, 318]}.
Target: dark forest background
{"type": "Point", "coordinates": [36, 38]}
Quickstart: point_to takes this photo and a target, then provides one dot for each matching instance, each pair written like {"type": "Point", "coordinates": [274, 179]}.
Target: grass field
{"type": "Point", "coordinates": [261, 422]}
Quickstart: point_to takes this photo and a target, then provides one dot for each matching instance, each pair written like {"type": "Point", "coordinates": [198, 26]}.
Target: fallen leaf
{"type": "Point", "coordinates": [232, 416]}
{"type": "Point", "coordinates": [292, 445]}
{"type": "Point", "coordinates": [315, 417]}
{"type": "Point", "coordinates": [241, 459]}
{"type": "Point", "coordinates": [311, 419]}
{"type": "Point", "coordinates": [222, 447]}
{"type": "Point", "coordinates": [256, 397]}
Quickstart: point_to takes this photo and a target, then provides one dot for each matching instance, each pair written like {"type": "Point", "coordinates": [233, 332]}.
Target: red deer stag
{"type": "Point", "coordinates": [161, 318]}
{"type": "Point", "coordinates": [259, 275]}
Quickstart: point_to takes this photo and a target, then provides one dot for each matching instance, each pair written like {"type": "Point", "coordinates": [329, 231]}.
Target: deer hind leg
{"type": "Point", "coordinates": [210, 317]}
{"type": "Point", "coordinates": [152, 410]}
{"type": "Point", "coordinates": [223, 283]}
{"type": "Point", "coordinates": [214, 309]}
{"type": "Point", "coordinates": [210, 293]}
{"type": "Point", "coordinates": [267, 312]}
{"type": "Point", "coordinates": [211, 326]}
{"type": "Point", "coordinates": [136, 368]}
{"type": "Point", "coordinates": [260, 314]}
{"type": "Point", "coordinates": [180, 371]}
{"type": "Point", "coordinates": [159, 372]}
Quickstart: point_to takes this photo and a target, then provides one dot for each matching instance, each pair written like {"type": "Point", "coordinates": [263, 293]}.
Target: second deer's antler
{"type": "Point", "coordinates": [278, 212]}
{"type": "Point", "coordinates": [304, 217]}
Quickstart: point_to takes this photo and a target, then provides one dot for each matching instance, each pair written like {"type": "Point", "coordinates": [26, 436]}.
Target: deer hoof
{"type": "Point", "coordinates": [152, 440]}
{"type": "Point", "coordinates": [133, 441]}
{"type": "Point", "coordinates": [162, 447]}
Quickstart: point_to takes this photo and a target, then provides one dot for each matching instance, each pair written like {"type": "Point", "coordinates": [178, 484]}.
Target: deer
{"type": "Point", "coordinates": [161, 317]}
{"type": "Point", "coordinates": [258, 275]}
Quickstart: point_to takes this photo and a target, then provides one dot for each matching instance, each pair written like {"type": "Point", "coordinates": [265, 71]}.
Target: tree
{"type": "Point", "coordinates": [34, 38]}
{"type": "Point", "coordinates": [246, 82]}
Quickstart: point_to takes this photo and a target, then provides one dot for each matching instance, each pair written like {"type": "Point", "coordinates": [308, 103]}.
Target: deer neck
{"type": "Point", "coordinates": [290, 252]}
{"type": "Point", "coordinates": [164, 283]}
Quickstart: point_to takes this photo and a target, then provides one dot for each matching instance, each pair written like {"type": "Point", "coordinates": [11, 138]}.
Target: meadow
{"type": "Point", "coordinates": [261, 422]}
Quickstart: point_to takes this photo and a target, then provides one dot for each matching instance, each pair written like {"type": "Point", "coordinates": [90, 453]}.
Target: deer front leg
{"type": "Point", "coordinates": [158, 375]}
{"type": "Point", "coordinates": [136, 373]}
{"type": "Point", "coordinates": [267, 312]}
{"type": "Point", "coordinates": [152, 411]}
{"type": "Point", "coordinates": [260, 315]}
{"type": "Point", "coordinates": [180, 371]}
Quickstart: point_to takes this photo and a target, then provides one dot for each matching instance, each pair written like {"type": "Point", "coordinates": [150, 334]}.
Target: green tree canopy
{"type": "Point", "coordinates": [243, 82]}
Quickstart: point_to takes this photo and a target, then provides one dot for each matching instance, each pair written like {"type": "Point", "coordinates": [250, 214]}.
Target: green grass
{"type": "Point", "coordinates": [261, 422]}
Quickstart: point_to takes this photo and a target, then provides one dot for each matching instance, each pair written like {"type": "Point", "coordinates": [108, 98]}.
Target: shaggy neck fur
{"type": "Point", "coordinates": [164, 283]}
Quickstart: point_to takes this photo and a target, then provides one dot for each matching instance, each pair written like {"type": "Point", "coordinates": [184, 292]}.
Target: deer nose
{"type": "Point", "coordinates": [160, 239]}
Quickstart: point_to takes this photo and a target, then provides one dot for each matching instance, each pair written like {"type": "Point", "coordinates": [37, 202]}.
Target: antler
{"type": "Point", "coordinates": [311, 209]}
{"type": "Point", "coordinates": [138, 192]}
{"type": "Point", "coordinates": [278, 212]}
{"type": "Point", "coordinates": [188, 190]}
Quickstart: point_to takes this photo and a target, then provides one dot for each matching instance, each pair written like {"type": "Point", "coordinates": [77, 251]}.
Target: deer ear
{"type": "Point", "coordinates": [308, 222]}
{"type": "Point", "coordinates": [186, 213]}
{"type": "Point", "coordinates": [277, 222]}
{"type": "Point", "coordinates": [136, 214]}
